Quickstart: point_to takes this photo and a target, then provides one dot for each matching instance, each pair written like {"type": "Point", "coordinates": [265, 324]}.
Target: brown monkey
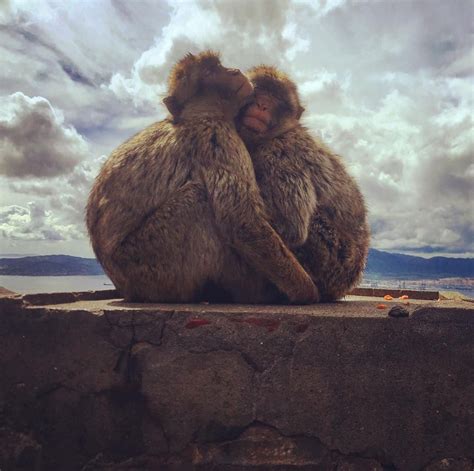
{"type": "Point", "coordinates": [313, 203]}
{"type": "Point", "coordinates": [177, 206]}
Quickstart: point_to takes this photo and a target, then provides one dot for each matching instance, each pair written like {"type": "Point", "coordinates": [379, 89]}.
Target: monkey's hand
{"type": "Point", "coordinates": [304, 291]}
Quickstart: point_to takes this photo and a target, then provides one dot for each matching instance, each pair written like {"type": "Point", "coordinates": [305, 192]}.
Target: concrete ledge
{"type": "Point", "coordinates": [89, 382]}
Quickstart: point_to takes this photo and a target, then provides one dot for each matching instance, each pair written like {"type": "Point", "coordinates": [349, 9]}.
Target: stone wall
{"type": "Point", "coordinates": [97, 384]}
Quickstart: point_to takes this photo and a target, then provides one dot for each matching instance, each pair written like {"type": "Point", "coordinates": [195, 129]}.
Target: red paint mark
{"type": "Point", "coordinates": [301, 328]}
{"type": "Point", "coordinates": [270, 324]}
{"type": "Point", "coordinates": [193, 323]}
{"type": "Point", "coordinates": [381, 306]}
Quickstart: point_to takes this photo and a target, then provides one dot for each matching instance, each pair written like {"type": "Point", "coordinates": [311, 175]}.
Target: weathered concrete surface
{"type": "Point", "coordinates": [94, 383]}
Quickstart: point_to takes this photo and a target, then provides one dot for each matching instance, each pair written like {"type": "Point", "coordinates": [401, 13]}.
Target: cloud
{"type": "Point", "coordinates": [65, 195]}
{"type": "Point", "coordinates": [34, 223]}
{"type": "Point", "coordinates": [413, 157]}
{"type": "Point", "coordinates": [52, 210]}
{"type": "Point", "coordinates": [45, 164]}
{"type": "Point", "coordinates": [388, 85]}
{"type": "Point", "coordinates": [64, 52]}
{"type": "Point", "coordinates": [265, 30]}
{"type": "Point", "coordinates": [34, 141]}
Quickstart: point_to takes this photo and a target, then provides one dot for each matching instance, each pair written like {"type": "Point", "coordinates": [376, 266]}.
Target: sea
{"type": "Point", "coordinates": [54, 284]}
{"type": "Point", "coordinates": [57, 284]}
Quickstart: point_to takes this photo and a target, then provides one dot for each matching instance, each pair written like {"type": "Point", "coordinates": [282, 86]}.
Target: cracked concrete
{"type": "Point", "coordinates": [90, 382]}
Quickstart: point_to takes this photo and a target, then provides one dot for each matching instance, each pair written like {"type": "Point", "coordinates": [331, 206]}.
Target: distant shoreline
{"type": "Point", "coordinates": [76, 283]}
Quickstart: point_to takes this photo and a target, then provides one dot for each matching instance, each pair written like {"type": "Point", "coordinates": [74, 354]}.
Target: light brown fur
{"type": "Point", "coordinates": [314, 204]}
{"type": "Point", "coordinates": [177, 207]}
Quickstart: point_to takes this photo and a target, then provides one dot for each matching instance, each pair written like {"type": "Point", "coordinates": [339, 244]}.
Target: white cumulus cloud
{"type": "Point", "coordinates": [34, 140]}
{"type": "Point", "coordinates": [246, 33]}
{"type": "Point", "coordinates": [34, 223]}
{"type": "Point", "coordinates": [388, 85]}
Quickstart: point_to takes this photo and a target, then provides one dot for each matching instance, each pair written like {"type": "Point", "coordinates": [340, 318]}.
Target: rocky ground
{"type": "Point", "coordinates": [90, 382]}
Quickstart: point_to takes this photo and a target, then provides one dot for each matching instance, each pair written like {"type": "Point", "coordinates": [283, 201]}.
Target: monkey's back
{"type": "Point", "coordinates": [336, 249]}
{"type": "Point", "coordinates": [137, 177]}
{"type": "Point", "coordinates": [148, 207]}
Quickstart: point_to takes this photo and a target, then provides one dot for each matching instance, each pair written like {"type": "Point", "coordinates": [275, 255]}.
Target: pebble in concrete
{"type": "Point", "coordinates": [398, 311]}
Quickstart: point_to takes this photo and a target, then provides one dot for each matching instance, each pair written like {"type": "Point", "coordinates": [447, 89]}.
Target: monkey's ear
{"type": "Point", "coordinates": [299, 112]}
{"type": "Point", "coordinates": [173, 106]}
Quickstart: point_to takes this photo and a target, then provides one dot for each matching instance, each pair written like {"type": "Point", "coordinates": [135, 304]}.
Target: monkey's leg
{"type": "Point", "coordinates": [245, 284]}
{"type": "Point", "coordinates": [170, 256]}
{"type": "Point", "coordinates": [334, 260]}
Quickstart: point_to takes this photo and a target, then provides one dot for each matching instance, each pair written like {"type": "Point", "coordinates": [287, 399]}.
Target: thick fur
{"type": "Point", "coordinates": [314, 204]}
{"type": "Point", "coordinates": [177, 208]}
{"type": "Point", "coordinates": [184, 79]}
{"type": "Point", "coordinates": [277, 84]}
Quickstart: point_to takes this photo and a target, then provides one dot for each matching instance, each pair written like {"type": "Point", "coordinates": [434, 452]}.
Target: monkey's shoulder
{"type": "Point", "coordinates": [315, 155]}
{"type": "Point", "coordinates": [336, 190]}
{"type": "Point", "coordinates": [150, 160]}
{"type": "Point", "coordinates": [142, 145]}
{"type": "Point", "coordinates": [217, 131]}
{"type": "Point", "coordinates": [293, 151]}
{"type": "Point", "coordinates": [303, 143]}
{"type": "Point", "coordinates": [151, 133]}
{"type": "Point", "coordinates": [211, 141]}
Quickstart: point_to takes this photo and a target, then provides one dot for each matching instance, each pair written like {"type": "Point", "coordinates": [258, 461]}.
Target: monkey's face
{"type": "Point", "coordinates": [259, 115]}
{"type": "Point", "coordinates": [231, 83]}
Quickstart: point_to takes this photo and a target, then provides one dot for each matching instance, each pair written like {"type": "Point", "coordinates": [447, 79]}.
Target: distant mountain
{"type": "Point", "coordinates": [397, 265]}
{"type": "Point", "coordinates": [380, 264]}
{"type": "Point", "coordinates": [50, 265]}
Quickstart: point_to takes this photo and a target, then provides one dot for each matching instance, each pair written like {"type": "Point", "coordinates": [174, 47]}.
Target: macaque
{"type": "Point", "coordinates": [314, 204]}
{"type": "Point", "coordinates": [176, 207]}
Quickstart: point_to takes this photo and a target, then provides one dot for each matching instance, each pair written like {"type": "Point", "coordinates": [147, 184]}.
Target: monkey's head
{"type": "Point", "coordinates": [203, 75]}
{"type": "Point", "coordinates": [275, 109]}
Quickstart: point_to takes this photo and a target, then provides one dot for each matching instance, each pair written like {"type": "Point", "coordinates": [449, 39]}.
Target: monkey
{"type": "Point", "coordinates": [313, 203]}
{"type": "Point", "coordinates": [177, 206]}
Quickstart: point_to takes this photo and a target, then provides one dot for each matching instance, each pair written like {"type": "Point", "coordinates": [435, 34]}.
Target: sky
{"type": "Point", "coordinates": [387, 84]}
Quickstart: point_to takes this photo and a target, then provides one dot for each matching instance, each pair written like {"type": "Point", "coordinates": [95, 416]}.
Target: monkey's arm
{"type": "Point", "coordinates": [290, 199]}
{"type": "Point", "coordinates": [239, 214]}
